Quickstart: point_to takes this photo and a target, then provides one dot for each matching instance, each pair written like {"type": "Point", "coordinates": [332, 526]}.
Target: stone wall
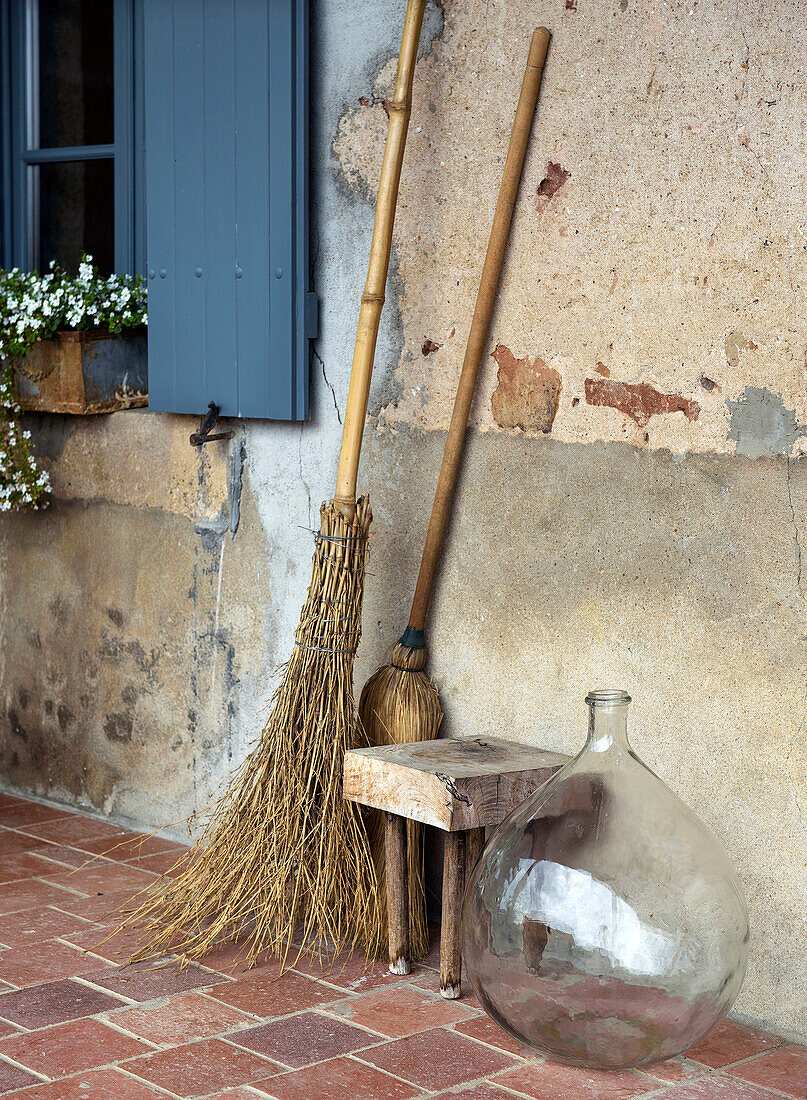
{"type": "Point", "coordinates": [633, 502]}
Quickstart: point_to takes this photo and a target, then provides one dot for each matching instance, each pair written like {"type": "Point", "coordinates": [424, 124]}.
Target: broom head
{"type": "Point", "coordinates": [284, 860]}
{"type": "Point", "coordinates": [400, 704]}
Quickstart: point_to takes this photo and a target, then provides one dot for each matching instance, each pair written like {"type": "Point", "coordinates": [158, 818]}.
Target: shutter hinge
{"type": "Point", "coordinates": [311, 316]}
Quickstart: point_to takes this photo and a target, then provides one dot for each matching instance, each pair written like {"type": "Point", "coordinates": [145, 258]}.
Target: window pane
{"type": "Point", "coordinates": [72, 59]}
{"type": "Point", "coordinates": [76, 208]}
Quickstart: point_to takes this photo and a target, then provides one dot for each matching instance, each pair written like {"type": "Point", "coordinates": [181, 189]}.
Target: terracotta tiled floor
{"type": "Point", "coordinates": [76, 1025]}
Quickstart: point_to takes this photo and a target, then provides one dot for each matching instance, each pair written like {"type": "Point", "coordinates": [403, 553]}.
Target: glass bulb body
{"type": "Point", "coordinates": [603, 924]}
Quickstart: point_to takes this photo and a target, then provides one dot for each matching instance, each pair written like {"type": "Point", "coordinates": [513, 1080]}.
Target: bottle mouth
{"type": "Point", "coordinates": [607, 697]}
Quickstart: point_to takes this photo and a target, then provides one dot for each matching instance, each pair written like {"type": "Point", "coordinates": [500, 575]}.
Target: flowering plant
{"type": "Point", "coordinates": [35, 307]}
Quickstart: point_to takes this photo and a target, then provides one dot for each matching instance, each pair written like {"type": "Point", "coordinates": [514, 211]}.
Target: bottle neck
{"type": "Point", "coordinates": [608, 721]}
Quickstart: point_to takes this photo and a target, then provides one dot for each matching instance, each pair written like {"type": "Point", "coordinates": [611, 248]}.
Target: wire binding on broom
{"type": "Point", "coordinates": [285, 866]}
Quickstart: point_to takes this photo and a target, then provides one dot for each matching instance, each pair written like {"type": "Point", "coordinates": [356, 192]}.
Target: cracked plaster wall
{"type": "Point", "coordinates": [144, 614]}
{"type": "Point", "coordinates": [660, 230]}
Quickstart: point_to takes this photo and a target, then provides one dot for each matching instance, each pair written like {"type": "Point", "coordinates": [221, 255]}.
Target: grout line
{"type": "Point", "coordinates": [140, 1080]}
{"type": "Point", "coordinates": [102, 989]}
{"type": "Point", "coordinates": [751, 1057]}
{"type": "Point", "coordinates": [19, 1065]}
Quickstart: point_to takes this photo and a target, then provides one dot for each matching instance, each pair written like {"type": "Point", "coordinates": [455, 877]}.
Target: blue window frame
{"type": "Point", "coordinates": [72, 180]}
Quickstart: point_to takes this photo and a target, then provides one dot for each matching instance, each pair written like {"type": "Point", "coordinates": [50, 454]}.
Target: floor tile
{"type": "Point", "coordinates": [240, 1093]}
{"type": "Point", "coordinates": [550, 1081]}
{"type": "Point", "coordinates": [54, 1003]}
{"type": "Point", "coordinates": [437, 1059]}
{"type": "Point", "coordinates": [131, 846]}
{"type": "Point", "coordinates": [163, 863]}
{"type": "Point", "coordinates": [340, 1079]}
{"type": "Point", "coordinates": [268, 995]}
{"type": "Point", "coordinates": [106, 941]}
{"type": "Point", "coordinates": [199, 1068]}
{"type": "Point", "coordinates": [784, 1069]}
{"type": "Point", "coordinates": [730, 1042]}
{"type": "Point", "coordinates": [349, 971]}
{"type": "Point", "coordinates": [68, 830]}
{"type": "Point", "coordinates": [70, 1048]}
{"type": "Point", "coordinates": [720, 1088]}
{"type": "Point", "coordinates": [64, 855]}
{"type": "Point", "coordinates": [103, 907]}
{"type": "Point", "coordinates": [12, 843]}
{"type": "Point", "coordinates": [30, 894]}
{"type": "Point", "coordinates": [37, 963]}
{"type": "Point", "coordinates": [430, 980]}
{"type": "Point", "coordinates": [400, 1011]}
{"type": "Point", "coordinates": [481, 1090]}
{"type": "Point", "coordinates": [679, 1069]}
{"type": "Point", "coordinates": [35, 925]}
{"type": "Point", "coordinates": [13, 1077]}
{"type": "Point", "coordinates": [145, 981]}
{"type": "Point", "coordinates": [30, 813]}
{"type": "Point", "coordinates": [232, 958]}
{"type": "Point", "coordinates": [299, 1040]}
{"type": "Point", "coordinates": [184, 1018]}
{"type": "Point", "coordinates": [23, 865]}
{"type": "Point", "coordinates": [486, 1031]}
{"type": "Point", "coordinates": [95, 1084]}
{"type": "Point", "coordinates": [102, 878]}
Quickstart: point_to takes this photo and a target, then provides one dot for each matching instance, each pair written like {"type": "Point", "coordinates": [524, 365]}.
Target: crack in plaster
{"type": "Point", "coordinates": [328, 383]}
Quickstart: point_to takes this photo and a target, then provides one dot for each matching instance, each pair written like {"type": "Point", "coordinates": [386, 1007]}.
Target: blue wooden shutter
{"type": "Point", "coordinates": [227, 206]}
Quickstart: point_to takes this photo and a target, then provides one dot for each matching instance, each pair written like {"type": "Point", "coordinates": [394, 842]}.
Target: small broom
{"type": "Point", "coordinates": [400, 702]}
{"type": "Point", "coordinates": [283, 855]}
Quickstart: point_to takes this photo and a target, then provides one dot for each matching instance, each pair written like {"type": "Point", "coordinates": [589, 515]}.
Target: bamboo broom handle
{"type": "Point", "coordinates": [372, 300]}
{"type": "Point", "coordinates": [480, 324]}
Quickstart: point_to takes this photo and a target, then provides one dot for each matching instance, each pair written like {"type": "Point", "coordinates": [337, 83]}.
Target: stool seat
{"type": "Point", "coordinates": [459, 785]}
{"type": "Point", "coordinates": [453, 783]}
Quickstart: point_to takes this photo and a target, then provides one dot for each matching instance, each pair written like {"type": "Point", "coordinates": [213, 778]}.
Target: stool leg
{"type": "Point", "coordinates": [474, 843]}
{"type": "Point", "coordinates": [450, 941]}
{"type": "Point", "coordinates": [397, 893]}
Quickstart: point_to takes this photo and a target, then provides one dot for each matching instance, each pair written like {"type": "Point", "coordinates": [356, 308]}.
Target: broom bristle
{"type": "Point", "coordinates": [400, 704]}
{"type": "Point", "coordinates": [283, 854]}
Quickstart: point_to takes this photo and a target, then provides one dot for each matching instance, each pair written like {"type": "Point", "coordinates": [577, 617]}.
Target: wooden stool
{"type": "Point", "coordinates": [458, 785]}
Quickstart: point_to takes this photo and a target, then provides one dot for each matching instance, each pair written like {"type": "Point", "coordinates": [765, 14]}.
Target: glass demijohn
{"type": "Point", "coordinates": [603, 924]}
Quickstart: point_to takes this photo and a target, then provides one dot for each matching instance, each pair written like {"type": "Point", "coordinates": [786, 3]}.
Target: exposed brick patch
{"type": "Point", "coordinates": [639, 401]}
{"type": "Point", "coordinates": [528, 392]}
{"type": "Point", "coordinates": [556, 176]}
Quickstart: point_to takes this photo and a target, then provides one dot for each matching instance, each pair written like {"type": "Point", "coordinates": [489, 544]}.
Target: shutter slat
{"type": "Point", "coordinates": [192, 382]}
{"type": "Point", "coordinates": [220, 170]}
{"type": "Point", "coordinates": [253, 202]}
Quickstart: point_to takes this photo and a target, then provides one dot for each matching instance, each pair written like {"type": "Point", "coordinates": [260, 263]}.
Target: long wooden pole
{"type": "Point", "coordinates": [480, 324]}
{"type": "Point", "coordinates": [372, 299]}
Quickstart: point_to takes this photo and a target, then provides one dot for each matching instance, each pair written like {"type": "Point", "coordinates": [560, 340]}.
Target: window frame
{"type": "Point", "coordinates": [17, 23]}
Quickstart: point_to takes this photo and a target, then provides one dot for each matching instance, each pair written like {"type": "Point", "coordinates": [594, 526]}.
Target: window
{"type": "Point", "coordinates": [69, 181]}
{"type": "Point", "coordinates": [170, 138]}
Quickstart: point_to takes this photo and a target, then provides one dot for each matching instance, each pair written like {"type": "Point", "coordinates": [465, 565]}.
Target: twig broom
{"type": "Point", "coordinates": [400, 702]}
{"type": "Point", "coordinates": [283, 854]}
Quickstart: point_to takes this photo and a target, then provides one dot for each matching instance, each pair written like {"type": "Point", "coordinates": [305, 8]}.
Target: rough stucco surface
{"type": "Point", "coordinates": [661, 229]}
{"type": "Point", "coordinates": [144, 614]}
{"type": "Point", "coordinates": [569, 567]}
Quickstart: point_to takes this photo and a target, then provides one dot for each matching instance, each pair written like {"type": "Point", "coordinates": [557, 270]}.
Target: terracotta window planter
{"type": "Point", "coordinates": [84, 372]}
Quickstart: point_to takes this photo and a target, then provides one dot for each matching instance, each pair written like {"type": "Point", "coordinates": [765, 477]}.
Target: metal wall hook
{"type": "Point", "coordinates": [206, 424]}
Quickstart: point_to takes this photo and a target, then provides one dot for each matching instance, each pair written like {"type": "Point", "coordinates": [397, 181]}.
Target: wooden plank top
{"type": "Point", "coordinates": [451, 783]}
